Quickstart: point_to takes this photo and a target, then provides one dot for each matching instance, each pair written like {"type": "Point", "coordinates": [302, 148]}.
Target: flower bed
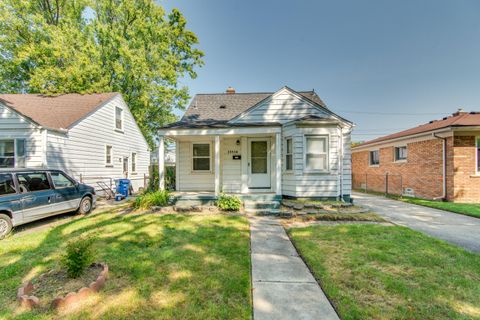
{"type": "Point", "coordinates": [27, 298]}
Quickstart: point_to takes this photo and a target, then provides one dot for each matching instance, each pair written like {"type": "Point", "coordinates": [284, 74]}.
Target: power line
{"type": "Point", "coordinates": [395, 113]}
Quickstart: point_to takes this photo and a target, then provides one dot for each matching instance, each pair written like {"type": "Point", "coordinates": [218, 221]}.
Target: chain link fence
{"type": "Point", "coordinates": [421, 185]}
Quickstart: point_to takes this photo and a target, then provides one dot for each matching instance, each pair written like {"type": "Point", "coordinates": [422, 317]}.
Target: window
{"type": "Point", "coordinates": [478, 155]}
{"type": "Point", "coordinates": [289, 155]}
{"type": "Point", "coordinates": [6, 184]}
{"type": "Point", "coordinates": [60, 180]}
{"type": "Point", "coordinates": [12, 153]}
{"type": "Point", "coordinates": [374, 158]}
{"type": "Point", "coordinates": [108, 156]}
{"type": "Point", "coordinates": [118, 118]}
{"type": "Point", "coordinates": [34, 181]}
{"type": "Point", "coordinates": [316, 153]}
{"type": "Point", "coordinates": [400, 153]}
{"type": "Point", "coordinates": [134, 162]}
{"type": "Point", "coordinates": [201, 156]}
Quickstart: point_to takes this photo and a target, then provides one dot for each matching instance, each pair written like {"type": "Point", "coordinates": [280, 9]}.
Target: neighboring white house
{"type": "Point", "coordinates": [285, 143]}
{"type": "Point", "coordinates": [93, 136]}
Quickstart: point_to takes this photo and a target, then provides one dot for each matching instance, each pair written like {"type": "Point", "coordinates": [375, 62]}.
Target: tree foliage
{"type": "Point", "coordinates": [129, 46]}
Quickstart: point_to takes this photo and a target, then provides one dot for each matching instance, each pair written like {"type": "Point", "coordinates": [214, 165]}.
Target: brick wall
{"type": "Point", "coordinates": [466, 184]}
{"type": "Point", "coordinates": [422, 171]}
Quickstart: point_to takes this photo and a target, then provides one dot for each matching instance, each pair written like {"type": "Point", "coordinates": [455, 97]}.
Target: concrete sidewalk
{"type": "Point", "coordinates": [455, 228]}
{"type": "Point", "coordinates": [283, 287]}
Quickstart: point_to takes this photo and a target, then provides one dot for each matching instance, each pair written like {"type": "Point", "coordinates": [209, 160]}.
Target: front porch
{"type": "Point", "coordinates": [241, 161]}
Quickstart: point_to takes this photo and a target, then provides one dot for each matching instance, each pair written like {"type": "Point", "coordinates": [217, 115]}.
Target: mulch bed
{"type": "Point", "coordinates": [57, 283]}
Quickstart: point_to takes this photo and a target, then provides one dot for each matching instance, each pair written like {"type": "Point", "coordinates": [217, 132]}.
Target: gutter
{"type": "Point", "coordinates": [444, 169]}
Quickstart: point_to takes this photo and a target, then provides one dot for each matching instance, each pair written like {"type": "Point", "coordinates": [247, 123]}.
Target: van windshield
{"type": "Point", "coordinates": [6, 184]}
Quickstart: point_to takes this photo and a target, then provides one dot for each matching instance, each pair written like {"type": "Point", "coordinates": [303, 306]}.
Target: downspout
{"type": "Point", "coordinates": [340, 165]}
{"type": "Point", "coordinates": [444, 156]}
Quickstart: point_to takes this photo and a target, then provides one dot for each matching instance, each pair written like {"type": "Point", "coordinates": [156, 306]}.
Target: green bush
{"type": "Point", "coordinates": [152, 199]}
{"type": "Point", "coordinates": [228, 202]}
{"type": "Point", "coordinates": [78, 256]}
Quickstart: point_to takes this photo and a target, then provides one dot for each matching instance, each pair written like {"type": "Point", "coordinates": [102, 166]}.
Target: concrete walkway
{"type": "Point", "coordinates": [283, 287]}
{"type": "Point", "coordinates": [455, 228]}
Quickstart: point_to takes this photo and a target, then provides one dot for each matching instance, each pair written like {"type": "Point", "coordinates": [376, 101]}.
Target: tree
{"type": "Point", "coordinates": [85, 46]}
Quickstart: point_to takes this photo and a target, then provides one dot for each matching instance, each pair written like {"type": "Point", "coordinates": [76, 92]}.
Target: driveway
{"type": "Point", "coordinates": [455, 228]}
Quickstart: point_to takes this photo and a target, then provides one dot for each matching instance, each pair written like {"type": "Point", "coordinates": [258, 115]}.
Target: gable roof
{"type": "Point", "coordinates": [457, 119]}
{"type": "Point", "coordinates": [226, 106]}
{"type": "Point", "coordinates": [55, 112]}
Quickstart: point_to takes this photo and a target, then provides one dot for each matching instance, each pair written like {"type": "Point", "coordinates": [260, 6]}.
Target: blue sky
{"type": "Point", "coordinates": [385, 65]}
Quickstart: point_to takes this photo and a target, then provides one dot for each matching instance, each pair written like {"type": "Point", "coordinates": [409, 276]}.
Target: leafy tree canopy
{"type": "Point", "coordinates": [129, 46]}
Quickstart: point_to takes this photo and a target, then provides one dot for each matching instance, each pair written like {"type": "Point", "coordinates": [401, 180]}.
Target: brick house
{"type": "Point", "coordinates": [436, 160]}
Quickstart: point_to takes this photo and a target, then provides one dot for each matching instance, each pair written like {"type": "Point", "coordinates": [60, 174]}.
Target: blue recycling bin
{"type": "Point", "coordinates": [123, 185]}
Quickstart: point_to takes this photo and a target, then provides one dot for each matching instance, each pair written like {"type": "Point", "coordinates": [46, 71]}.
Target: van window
{"type": "Point", "coordinates": [6, 184]}
{"type": "Point", "coordinates": [33, 181]}
{"type": "Point", "coordinates": [60, 180]}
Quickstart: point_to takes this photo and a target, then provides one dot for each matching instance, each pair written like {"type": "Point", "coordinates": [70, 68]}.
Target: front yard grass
{"type": "Point", "coordinates": [390, 272]}
{"type": "Point", "coordinates": [161, 266]}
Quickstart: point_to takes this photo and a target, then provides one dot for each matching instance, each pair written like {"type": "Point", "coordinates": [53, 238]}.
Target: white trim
{"type": "Point", "coordinates": [395, 159]}
{"type": "Point", "coordinates": [209, 157]}
{"type": "Point", "coordinates": [223, 131]}
{"type": "Point", "coordinates": [122, 129]}
{"type": "Point", "coordinates": [291, 154]}
{"type": "Point", "coordinates": [131, 162]}
{"type": "Point", "coordinates": [161, 163]}
{"type": "Point", "coordinates": [217, 165]}
{"type": "Point", "coordinates": [278, 164]}
{"type": "Point", "coordinates": [177, 166]}
{"type": "Point", "coordinates": [370, 158]}
{"type": "Point", "coordinates": [327, 153]}
{"type": "Point", "coordinates": [108, 164]}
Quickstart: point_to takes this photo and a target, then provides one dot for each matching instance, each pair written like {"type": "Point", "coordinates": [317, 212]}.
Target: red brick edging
{"type": "Point", "coordinates": [30, 302]}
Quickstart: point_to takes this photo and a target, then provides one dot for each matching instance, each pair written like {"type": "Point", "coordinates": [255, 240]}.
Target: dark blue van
{"type": "Point", "coordinates": [31, 194]}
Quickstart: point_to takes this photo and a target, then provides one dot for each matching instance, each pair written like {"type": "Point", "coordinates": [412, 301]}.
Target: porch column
{"type": "Point", "coordinates": [278, 163]}
{"type": "Point", "coordinates": [217, 165]}
{"type": "Point", "coordinates": [161, 163]}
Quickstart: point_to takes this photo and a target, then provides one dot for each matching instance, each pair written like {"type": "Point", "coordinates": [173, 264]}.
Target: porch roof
{"type": "Point", "coordinates": [218, 128]}
{"type": "Point", "coordinates": [216, 124]}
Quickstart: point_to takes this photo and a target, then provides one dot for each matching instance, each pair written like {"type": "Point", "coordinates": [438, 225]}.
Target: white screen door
{"type": "Point", "coordinates": [259, 163]}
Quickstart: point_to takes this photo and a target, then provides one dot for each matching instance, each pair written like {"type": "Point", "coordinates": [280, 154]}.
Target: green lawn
{"type": "Point", "coordinates": [390, 272]}
{"type": "Point", "coordinates": [161, 266]}
{"type": "Point", "coordinates": [469, 209]}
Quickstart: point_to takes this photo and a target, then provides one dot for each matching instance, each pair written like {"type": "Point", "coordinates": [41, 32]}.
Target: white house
{"type": "Point", "coordinates": [285, 143]}
{"type": "Point", "coordinates": [93, 137]}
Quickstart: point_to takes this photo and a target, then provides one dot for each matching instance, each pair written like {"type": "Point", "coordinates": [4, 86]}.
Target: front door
{"type": "Point", "coordinates": [259, 163]}
{"type": "Point", "coordinates": [125, 167]}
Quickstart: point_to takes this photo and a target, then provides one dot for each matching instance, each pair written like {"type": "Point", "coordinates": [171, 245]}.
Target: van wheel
{"type": "Point", "coordinates": [85, 205]}
{"type": "Point", "coordinates": [5, 225]}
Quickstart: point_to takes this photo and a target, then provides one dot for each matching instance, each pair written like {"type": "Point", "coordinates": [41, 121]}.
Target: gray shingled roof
{"type": "Point", "coordinates": [226, 106]}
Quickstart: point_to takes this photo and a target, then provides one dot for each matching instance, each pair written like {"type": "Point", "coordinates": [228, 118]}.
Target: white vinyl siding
{"type": "Point", "coordinates": [303, 183]}
{"type": "Point", "coordinates": [281, 107]}
{"type": "Point", "coordinates": [13, 126]}
{"type": "Point", "coordinates": [82, 149]}
{"type": "Point", "coordinates": [188, 180]}
{"type": "Point", "coordinates": [231, 169]}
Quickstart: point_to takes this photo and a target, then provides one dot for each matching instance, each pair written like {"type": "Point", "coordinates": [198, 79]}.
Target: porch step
{"type": "Point", "coordinates": [262, 207]}
{"type": "Point", "coordinates": [258, 205]}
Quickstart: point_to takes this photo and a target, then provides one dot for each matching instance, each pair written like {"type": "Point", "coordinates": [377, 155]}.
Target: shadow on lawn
{"type": "Point", "coordinates": [161, 266]}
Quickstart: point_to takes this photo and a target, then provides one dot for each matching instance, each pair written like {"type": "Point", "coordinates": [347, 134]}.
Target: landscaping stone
{"type": "Point", "coordinates": [287, 204]}
{"type": "Point", "coordinates": [182, 208]}
{"type": "Point", "coordinates": [309, 205]}
{"type": "Point", "coordinates": [311, 211]}
{"type": "Point", "coordinates": [318, 206]}
{"type": "Point", "coordinates": [286, 214]}
{"type": "Point", "coordinates": [29, 302]}
{"type": "Point", "coordinates": [298, 206]}
{"type": "Point", "coordinates": [197, 208]}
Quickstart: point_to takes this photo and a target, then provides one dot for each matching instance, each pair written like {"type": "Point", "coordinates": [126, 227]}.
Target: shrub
{"type": "Point", "coordinates": [152, 199]}
{"type": "Point", "coordinates": [78, 256]}
{"type": "Point", "coordinates": [229, 202]}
